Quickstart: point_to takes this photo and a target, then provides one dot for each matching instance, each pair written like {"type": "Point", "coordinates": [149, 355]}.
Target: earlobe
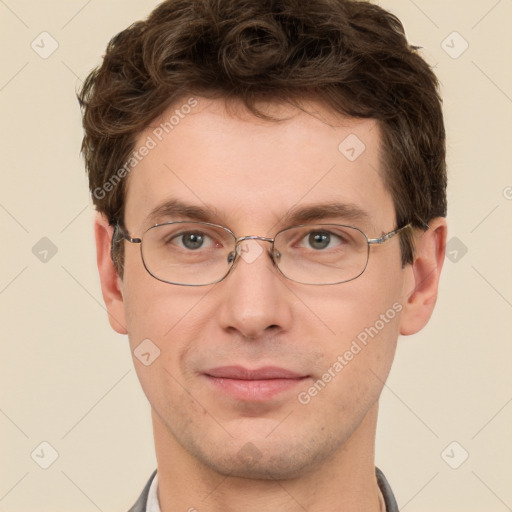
{"type": "Point", "coordinates": [111, 284]}
{"type": "Point", "coordinates": [422, 284]}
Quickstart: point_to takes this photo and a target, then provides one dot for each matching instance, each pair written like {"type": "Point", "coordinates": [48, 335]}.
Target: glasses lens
{"type": "Point", "coordinates": [321, 254]}
{"type": "Point", "coordinates": [187, 253]}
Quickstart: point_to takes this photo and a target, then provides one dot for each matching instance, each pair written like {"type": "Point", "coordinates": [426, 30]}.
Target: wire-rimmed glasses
{"type": "Point", "coordinates": [201, 253]}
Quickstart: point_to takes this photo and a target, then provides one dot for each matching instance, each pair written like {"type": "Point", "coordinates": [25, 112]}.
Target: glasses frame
{"type": "Point", "coordinates": [273, 253]}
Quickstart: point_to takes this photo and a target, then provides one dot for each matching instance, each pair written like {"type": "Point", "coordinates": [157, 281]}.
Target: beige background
{"type": "Point", "coordinates": [67, 378]}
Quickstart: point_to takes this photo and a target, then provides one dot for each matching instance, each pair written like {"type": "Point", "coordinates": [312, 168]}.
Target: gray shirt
{"type": "Point", "coordinates": [149, 497]}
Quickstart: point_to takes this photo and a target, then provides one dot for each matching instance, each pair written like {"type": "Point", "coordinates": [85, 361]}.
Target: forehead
{"type": "Point", "coordinates": [243, 170]}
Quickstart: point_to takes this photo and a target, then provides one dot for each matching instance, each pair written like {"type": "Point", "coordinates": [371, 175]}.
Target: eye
{"type": "Point", "coordinates": [319, 240]}
{"type": "Point", "coordinates": [193, 240]}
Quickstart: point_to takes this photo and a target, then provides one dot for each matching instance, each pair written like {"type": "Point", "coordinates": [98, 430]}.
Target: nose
{"type": "Point", "coordinates": [254, 299]}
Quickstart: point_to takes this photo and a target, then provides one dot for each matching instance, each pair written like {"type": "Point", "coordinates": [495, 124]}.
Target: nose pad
{"type": "Point", "coordinates": [276, 255]}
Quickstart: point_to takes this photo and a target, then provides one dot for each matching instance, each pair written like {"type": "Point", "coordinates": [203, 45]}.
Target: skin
{"type": "Point", "coordinates": [318, 456]}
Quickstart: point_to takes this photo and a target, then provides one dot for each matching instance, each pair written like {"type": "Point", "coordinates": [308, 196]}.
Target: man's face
{"type": "Point", "coordinates": [250, 174]}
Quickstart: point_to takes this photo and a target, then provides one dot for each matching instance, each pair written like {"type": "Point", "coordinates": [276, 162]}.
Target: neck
{"type": "Point", "coordinates": [346, 481]}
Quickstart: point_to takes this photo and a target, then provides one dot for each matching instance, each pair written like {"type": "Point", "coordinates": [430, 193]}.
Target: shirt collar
{"type": "Point", "coordinates": [153, 505]}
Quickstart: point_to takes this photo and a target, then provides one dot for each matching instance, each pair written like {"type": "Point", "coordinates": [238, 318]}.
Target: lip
{"type": "Point", "coordinates": [256, 385]}
{"type": "Point", "coordinates": [241, 373]}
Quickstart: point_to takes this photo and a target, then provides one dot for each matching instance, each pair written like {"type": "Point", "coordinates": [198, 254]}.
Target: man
{"type": "Point", "coordinates": [270, 184]}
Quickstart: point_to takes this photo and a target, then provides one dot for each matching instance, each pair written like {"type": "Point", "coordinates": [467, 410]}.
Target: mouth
{"type": "Point", "coordinates": [256, 385]}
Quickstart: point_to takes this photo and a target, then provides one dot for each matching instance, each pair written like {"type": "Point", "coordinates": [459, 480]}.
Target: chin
{"type": "Point", "coordinates": [265, 460]}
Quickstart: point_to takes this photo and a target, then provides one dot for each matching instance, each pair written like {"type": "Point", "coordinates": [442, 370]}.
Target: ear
{"type": "Point", "coordinates": [422, 282]}
{"type": "Point", "coordinates": [111, 284]}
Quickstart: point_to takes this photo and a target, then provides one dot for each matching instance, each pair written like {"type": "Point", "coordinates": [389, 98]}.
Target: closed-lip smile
{"type": "Point", "coordinates": [257, 385]}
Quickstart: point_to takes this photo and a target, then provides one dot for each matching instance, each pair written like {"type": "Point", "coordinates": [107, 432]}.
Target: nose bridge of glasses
{"type": "Point", "coordinates": [254, 237]}
{"type": "Point", "coordinates": [238, 249]}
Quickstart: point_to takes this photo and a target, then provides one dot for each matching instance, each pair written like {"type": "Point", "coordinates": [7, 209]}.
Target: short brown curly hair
{"type": "Point", "coordinates": [351, 55]}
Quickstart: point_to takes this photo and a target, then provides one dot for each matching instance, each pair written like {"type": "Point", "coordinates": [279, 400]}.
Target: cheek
{"type": "Point", "coordinates": [356, 360]}
{"type": "Point", "coordinates": [348, 309]}
{"type": "Point", "coordinates": [152, 307]}
{"type": "Point", "coordinates": [163, 323]}
{"type": "Point", "coordinates": [361, 320]}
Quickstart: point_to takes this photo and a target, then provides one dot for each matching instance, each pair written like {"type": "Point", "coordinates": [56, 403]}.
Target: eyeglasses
{"type": "Point", "coordinates": [200, 253]}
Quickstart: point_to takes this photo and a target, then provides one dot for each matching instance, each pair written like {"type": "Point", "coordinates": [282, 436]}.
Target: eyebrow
{"type": "Point", "coordinates": [179, 210]}
{"type": "Point", "coordinates": [342, 211]}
